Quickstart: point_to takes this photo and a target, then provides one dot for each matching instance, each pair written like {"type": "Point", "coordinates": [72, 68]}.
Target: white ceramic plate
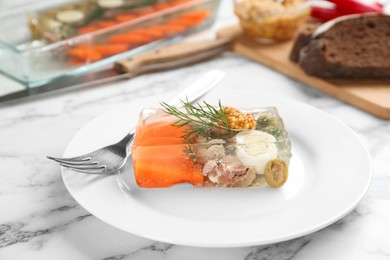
{"type": "Point", "coordinates": [330, 172]}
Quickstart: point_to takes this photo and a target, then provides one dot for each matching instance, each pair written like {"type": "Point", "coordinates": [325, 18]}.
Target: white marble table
{"type": "Point", "coordinates": [40, 220]}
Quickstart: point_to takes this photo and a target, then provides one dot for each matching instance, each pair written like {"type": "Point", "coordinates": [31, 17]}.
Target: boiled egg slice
{"type": "Point", "coordinates": [255, 148]}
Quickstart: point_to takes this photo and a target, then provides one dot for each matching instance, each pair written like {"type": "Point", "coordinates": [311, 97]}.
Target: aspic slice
{"type": "Point", "coordinates": [209, 146]}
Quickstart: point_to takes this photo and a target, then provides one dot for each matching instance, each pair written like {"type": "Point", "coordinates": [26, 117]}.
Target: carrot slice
{"type": "Point", "coordinates": [159, 28]}
{"type": "Point", "coordinates": [161, 6]}
{"type": "Point", "coordinates": [156, 141]}
{"type": "Point", "coordinates": [158, 129]}
{"type": "Point", "coordinates": [85, 54]}
{"type": "Point", "coordinates": [125, 17]}
{"type": "Point", "coordinates": [147, 32]}
{"type": "Point", "coordinates": [156, 34]}
{"type": "Point", "coordinates": [105, 24]}
{"type": "Point", "coordinates": [197, 14]}
{"type": "Point", "coordinates": [164, 166]}
{"type": "Point", "coordinates": [129, 38]}
{"type": "Point", "coordinates": [178, 2]}
{"type": "Point", "coordinates": [168, 28]}
{"type": "Point", "coordinates": [159, 157]}
{"type": "Point", "coordinates": [110, 49]}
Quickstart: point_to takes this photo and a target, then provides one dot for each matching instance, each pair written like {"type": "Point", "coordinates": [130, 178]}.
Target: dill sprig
{"type": "Point", "coordinates": [201, 119]}
{"type": "Point", "coordinates": [191, 154]}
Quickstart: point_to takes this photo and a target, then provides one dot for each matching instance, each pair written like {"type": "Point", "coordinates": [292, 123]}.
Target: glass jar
{"type": "Point", "coordinates": [271, 19]}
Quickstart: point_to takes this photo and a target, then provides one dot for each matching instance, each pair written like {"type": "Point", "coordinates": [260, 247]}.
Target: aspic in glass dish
{"type": "Point", "coordinates": [209, 146]}
{"type": "Point", "coordinates": [43, 41]}
{"type": "Point", "coordinates": [271, 20]}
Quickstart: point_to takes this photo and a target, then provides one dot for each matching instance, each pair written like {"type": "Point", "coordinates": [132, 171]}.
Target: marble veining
{"type": "Point", "coordinates": [158, 247]}
{"type": "Point", "coordinates": [40, 220]}
{"type": "Point", "coordinates": [12, 233]}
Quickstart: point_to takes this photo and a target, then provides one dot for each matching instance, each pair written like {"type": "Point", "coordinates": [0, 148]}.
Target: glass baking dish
{"type": "Point", "coordinates": [34, 53]}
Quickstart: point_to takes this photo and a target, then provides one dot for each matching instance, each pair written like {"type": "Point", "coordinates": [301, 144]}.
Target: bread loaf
{"type": "Point", "coordinates": [356, 46]}
{"type": "Point", "coordinates": [303, 38]}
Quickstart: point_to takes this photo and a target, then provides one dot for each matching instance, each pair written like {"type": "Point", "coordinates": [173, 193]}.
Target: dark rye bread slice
{"type": "Point", "coordinates": [357, 47]}
{"type": "Point", "coordinates": [303, 38]}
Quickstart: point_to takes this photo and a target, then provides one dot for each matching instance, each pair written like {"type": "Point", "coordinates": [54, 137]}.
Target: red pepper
{"type": "Point", "coordinates": [356, 7]}
{"type": "Point", "coordinates": [379, 5]}
{"type": "Point", "coordinates": [325, 14]}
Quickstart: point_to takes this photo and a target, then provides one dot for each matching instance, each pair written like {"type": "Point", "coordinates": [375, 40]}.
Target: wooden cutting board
{"type": "Point", "coordinates": [372, 96]}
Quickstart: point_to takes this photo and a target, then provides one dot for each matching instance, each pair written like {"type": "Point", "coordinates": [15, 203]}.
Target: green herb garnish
{"type": "Point", "coordinates": [191, 154]}
{"type": "Point", "coordinates": [202, 120]}
{"type": "Point", "coordinates": [263, 122]}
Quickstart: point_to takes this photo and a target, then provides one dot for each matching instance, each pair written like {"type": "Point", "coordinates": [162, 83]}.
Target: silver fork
{"type": "Point", "coordinates": [110, 159]}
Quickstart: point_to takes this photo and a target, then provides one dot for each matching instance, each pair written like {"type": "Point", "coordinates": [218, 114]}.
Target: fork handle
{"type": "Point", "coordinates": [171, 57]}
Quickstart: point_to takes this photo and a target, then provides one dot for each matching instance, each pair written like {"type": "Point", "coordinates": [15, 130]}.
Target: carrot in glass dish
{"type": "Point", "coordinates": [97, 52]}
{"type": "Point", "coordinates": [162, 28]}
{"type": "Point", "coordinates": [172, 28]}
{"type": "Point", "coordinates": [105, 24]}
{"type": "Point", "coordinates": [177, 2]}
{"type": "Point", "coordinates": [85, 54]}
{"type": "Point", "coordinates": [149, 32]}
{"type": "Point", "coordinates": [124, 17]}
{"type": "Point", "coordinates": [129, 38]}
{"type": "Point", "coordinates": [161, 6]}
{"type": "Point", "coordinates": [191, 19]}
{"type": "Point", "coordinates": [110, 49]}
{"type": "Point", "coordinates": [197, 14]}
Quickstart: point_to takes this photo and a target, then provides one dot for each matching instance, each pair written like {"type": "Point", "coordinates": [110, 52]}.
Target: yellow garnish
{"type": "Point", "coordinates": [238, 119]}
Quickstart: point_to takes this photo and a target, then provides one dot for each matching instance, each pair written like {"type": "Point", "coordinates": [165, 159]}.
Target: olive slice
{"type": "Point", "coordinates": [276, 172]}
